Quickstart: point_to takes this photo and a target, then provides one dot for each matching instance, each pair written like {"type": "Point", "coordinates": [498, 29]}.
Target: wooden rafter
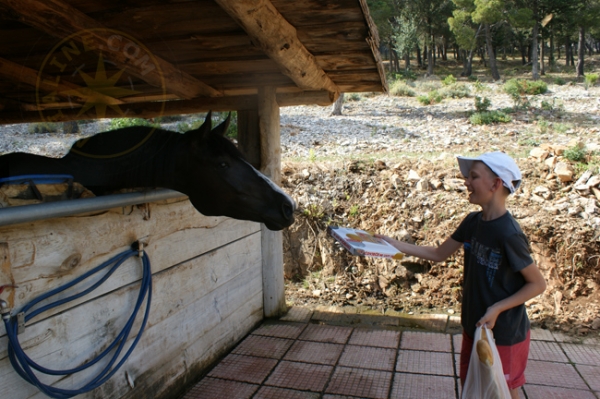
{"type": "Point", "coordinates": [28, 76]}
{"type": "Point", "coordinates": [180, 107]}
{"type": "Point", "coordinates": [278, 39]}
{"type": "Point", "coordinates": [61, 20]}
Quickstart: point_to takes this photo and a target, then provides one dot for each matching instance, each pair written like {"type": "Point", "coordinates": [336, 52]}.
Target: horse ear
{"type": "Point", "coordinates": [223, 126]}
{"type": "Point", "coordinates": [202, 132]}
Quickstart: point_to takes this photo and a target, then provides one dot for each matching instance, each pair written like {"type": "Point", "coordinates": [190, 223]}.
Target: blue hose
{"type": "Point", "coordinates": [24, 365]}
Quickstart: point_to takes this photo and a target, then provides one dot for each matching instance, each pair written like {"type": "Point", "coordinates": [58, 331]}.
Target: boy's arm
{"type": "Point", "coordinates": [436, 254]}
{"type": "Point", "coordinates": [534, 286]}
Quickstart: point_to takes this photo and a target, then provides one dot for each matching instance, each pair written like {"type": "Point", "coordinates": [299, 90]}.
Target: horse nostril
{"type": "Point", "coordinates": [288, 210]}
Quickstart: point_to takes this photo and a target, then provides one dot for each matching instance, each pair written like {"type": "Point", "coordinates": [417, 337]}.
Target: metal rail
{"type": "Point", "coordinates": [48, 210]}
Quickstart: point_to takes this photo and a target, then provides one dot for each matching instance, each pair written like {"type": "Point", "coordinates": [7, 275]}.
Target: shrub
{"type": "Point", "coordinates": [353, 97]}
{"type": "Point", "coordinates": [590, 79]}
{"type": "Point", "coordinates": [487, 117]}
{"type": "Point", "coordinates": [457, 90]}
{"type": "Point", "coordinates": [482, 105]}
{"type": "Point", "coordinates": [401, 89]}
{"type": "Point", "coordinates": [119, 123]}
{"type": "Point", "coordinates": [404, 75]}
{"type": "Point", "coordinates": [431, 98]}
{"type": "Point", "coordinates": [559, 81]}
{"type": "Point", "coordinates": [575, 153]}
{"type": "Point", "coordinates": [43, 127]}
{"type": "Point", "coordinates": [518, 89]}
{"type": "Point", "coordinates": [449, 80]}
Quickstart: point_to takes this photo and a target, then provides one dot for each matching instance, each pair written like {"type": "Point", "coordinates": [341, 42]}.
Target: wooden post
{"type": "Point", "coordinates": [249, 136]}
{"type": "Point", "coordinates": [272, 241]}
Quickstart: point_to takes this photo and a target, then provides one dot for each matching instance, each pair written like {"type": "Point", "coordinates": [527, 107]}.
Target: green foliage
{"type": "Point", "coordinates": [314, 211]}
{"type": "Point", "coordinates": [456, 90]}
{"type": "Point", "coordinates": [518, 89]}
{"type": "Point", "coordinates": [404, 75]}
{"type": "Point", "coordinates": [432, 97]}
{"type": "Point", "coordinates": [522, 18]}
{"type": "Point", "coordinates": [353, 212]}
{"type": "Point", "coordinates": [461, 26]}
{"type": "Point", "coordinates": [575, 153]}
{"type": "Point", "coordinates": [353, 97]}
{"type": "Point", "coordinates": [543, 125]}
{"type": "Point", "coordinates": [405, 34]}
{"type": "Point", "coordinates": [559, 81]}
{"type": "Point", "coordinates": [43, 127]}
{"type": "Point", "coordinates": [529, 142]}
{"type": "Point", "coordinates": [119, 123]}
{"type": "Point", "coordinates": [560, 127]}
{"type": "Point", "coordinates": [449, 80]}
{"type": "Point", "coordinates": [401, 89]}
{"type": "Point", "coordinates": [590, 80]}
{"type": "Point", "coordinates": [482, 105]}
{"type": "Point", "coordinates": [488, 117]}
{"type": "Point", "coordinates": [488, 11]}
{"type": "Point", "coordinates": [312, 155]}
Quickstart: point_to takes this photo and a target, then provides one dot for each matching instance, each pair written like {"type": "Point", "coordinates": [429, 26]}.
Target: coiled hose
{"type": "Point", "coordinates": [25, 366]}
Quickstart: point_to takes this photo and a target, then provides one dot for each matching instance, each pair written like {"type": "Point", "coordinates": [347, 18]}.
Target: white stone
{"type": "Point", "coordinates": [593, 181]}
{"type": "Point", "coordinates": [564, 171]}
{"type": "Point", "coordinates": [539, 153]}
{"type": "Point", "coordinates": [413, 176]}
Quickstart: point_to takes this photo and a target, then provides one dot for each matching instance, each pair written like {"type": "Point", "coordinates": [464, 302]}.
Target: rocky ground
{"type": "Point", "coordinates": [387, 165]}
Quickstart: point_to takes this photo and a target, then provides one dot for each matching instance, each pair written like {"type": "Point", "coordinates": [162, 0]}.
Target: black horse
{"type": "Point", "coordinates": [201, 163]}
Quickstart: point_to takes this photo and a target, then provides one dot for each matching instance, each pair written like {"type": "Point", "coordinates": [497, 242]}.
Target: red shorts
{"type": "Point", "coordinates": [514, 360]}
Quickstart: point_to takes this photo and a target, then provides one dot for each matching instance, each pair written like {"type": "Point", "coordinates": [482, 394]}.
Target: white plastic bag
{"type": "Point", "coordinates": [485, 378]}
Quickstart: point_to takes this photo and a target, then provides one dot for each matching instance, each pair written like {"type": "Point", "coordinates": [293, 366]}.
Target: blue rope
{"type": "Point", "coordinates": [24, 365]}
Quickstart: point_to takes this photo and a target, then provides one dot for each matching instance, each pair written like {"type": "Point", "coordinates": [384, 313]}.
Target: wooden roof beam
{"type": "Point", "coordinates": [278, 39]}
{"type": "Point", "coordinates": [61, 20]}
{"type": "Point", "coordinates": [28, 76]}
{"type": "Point", "coordinates": [155, 109]}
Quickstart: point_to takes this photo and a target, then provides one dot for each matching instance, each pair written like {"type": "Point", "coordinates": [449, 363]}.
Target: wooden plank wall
{"type": "Point", "coordinates": [207, 294]}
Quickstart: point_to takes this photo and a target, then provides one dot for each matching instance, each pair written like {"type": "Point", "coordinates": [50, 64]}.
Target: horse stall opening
{"type": "Point", "coordinates": [207, 293]}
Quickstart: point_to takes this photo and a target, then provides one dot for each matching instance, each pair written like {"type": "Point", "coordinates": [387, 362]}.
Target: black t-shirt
{"type": "Point", "coordinates": [495, 252]}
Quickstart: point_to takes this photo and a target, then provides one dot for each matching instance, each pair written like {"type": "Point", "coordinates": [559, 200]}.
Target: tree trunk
{"type": "Point", "coordinates": [430, 54]}
{"type": "Point", "coordinates": [490, 51]}
{"type": "Point", "coordinates": [567, 51]}
{"type": "Point", "coordinates": [337, 105]}
{"type": "Point", "coordinates": [419, 58]}
{"type": "Point", "coordinates": [535, 67]}
{"type": "Point", "coordinates": [407, 60]}
{"type": "Point", "coordinates": [580, 52]}
{"type": "Point", "coordinates": [551, 59]}
{"type": "Point", "coordinates": [542, 55]}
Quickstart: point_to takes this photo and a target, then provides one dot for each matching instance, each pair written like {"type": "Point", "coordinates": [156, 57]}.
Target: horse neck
{"type": "Point", "coordinates": [151, 165]}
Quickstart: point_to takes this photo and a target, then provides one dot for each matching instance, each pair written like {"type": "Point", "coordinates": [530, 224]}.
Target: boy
{"type": "Point", "coordinates": [499, 273]}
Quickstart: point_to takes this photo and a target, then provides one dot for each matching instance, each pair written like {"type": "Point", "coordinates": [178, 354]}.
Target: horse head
{"type": "Point", "coordinates": [226, 184]}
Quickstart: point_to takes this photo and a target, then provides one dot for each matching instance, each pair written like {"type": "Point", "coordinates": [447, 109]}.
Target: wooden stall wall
{"type": "Point", "coordinates": [207, 294]}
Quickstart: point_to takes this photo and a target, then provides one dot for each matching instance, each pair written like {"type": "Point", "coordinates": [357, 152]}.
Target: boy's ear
{"type": "Point", "coordinates": [497, 184]}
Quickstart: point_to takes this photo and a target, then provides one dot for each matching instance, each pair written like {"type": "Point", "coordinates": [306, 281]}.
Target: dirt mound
{"type": "Point", "coordinates": [422, 201]}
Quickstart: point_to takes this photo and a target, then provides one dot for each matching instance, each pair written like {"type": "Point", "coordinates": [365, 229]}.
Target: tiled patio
{"type": "Point", "coordinates": [318, 354]}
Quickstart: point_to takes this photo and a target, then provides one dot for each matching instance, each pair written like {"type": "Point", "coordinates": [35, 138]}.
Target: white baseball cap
{"type": "Point", "coordinates": [500, 163]}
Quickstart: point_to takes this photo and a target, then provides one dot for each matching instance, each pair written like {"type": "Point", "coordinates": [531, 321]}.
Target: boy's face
{"type": "Point", "coordinates": [480, 183]}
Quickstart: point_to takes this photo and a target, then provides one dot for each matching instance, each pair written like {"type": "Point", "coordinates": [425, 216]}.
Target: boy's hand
{"type": "Point", "coordinates": [490, 317]}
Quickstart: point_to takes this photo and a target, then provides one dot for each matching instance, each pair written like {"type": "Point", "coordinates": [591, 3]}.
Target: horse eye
{"type": "Point", "coordinates": [224, 165]}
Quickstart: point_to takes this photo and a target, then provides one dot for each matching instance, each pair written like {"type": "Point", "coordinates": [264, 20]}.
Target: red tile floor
{"type": "Point", "coordinates": [313, 354]}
